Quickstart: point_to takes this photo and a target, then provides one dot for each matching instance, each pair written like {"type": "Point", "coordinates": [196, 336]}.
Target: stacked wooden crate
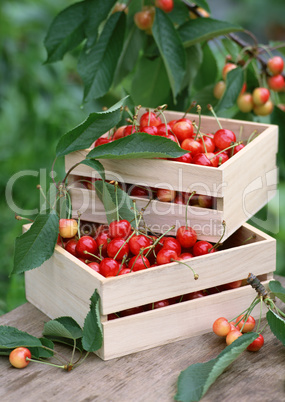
{"type": "Point", "coordinates": [240, 187]}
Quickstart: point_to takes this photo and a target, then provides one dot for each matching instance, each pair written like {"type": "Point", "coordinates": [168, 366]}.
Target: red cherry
{"type": "Point", "coordinates": [94, 265]}
{"type": "Point", "coordinates": [113, 316]}
{"type": "Point", "coordinates": [131, 311]}
{"type": "Point", "coordinates": [102, 141]}
{"type": "Point", "coordinates": [209, 143]}
{"type": "Point", "coordinates": [152, 130]}
{"type": "Point", "coordinates": [165, 195]}
{"type": "Point", "coordinates": [171, 243]}
{"type": "Point", "coordinates": [193, 146]}
{"type": "Point", "coordinates": [194, 295]}
{"type": "Point", "coordinates": [138, 191]}
{"type": "Point", "coordinates": [183, 129]}
{"type": "Point", "coordinates": [238, 148]}
{"type": "Point", "coordinates": [276, 83]}
{"type": "Point", "coordinates": [86, 243]}
{"type": "Point", "coordinates": [172, 138]}
{"type": "Point", "coordinates": [120, 228]}
{"type": "Point", "coordinates": [128, 130]}
{"type": "Point", "coordinates": [124, 271]}
{"type": "Point", "coordinates": [201, 159]}
{"type": "Point", "coordinates": [157, 304]}
{"type": "Point", "coordinates": [149, 119]}
{"type": "Point", "coordinates": [187, 237]}
{"type": "Point", "coordinates": [70, 246]}
{"type": "Point", "coordinates": [102, 239]}
{"type": "Point", "coordinates": [109, 267]}
{"type": "Point", "coordinates": [165, 256]}
{"type": "Point", "coordinates": [222, 157]}
{"type": "Point", "coordinates": [165, 5]}
{"type": "Point", "coordinates": [119, 133]}
{"type": "Point", "coordinates": [137, 242]}
{"type": "Point", "coordinates": [275, 65]}
{"type": "Point", "coordinates": [232, 285]}
{"type": "Point", "coordinates": [256, 344]}
{"type": "Point", "coordinates": [179, 199]}
{"type": "Point", "coordinates": [205, 201]}
{"type": "Point", "coordinates": [202, 247]}
{"type": "Point", "coordinates": [161, 129]}
{"type": "Point", "coordinates": [114, 246]}
{"type": "Point", "coordinates": [185, 256]}
{"type": "Point", "coordinates": [186, 158]}
{"type": "Point", "coordinates": [137, 263]}
{"type": "Point", "coordinates": [224, 138]}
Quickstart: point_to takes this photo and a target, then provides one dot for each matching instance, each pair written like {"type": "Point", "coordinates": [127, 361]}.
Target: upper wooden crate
{"type": "Point", "coordinates": [241, 186]}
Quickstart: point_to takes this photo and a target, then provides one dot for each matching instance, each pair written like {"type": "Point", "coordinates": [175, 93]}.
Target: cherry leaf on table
{"type": "Point", "coordinates": [138, 145]}
{"type": "Point", "coordinates": [90, 130]}
{"type": "Point", "coordinates": [234, 83]}
{"type": "Point", "coordinates": [64, 327]}
{"type": "Point", "coordinates": [194, 382]}
{"type": "Point", "coordinates": [277, 325]}
{"type": "Point", "coordinates": [97, 64]}
{"type": "Point", "coordinates": [92, 331]}
{"type": "Point", "coordinates": [66, 31]}
{"type": "Point", "coordinates": [36, 245]}
{"type": "Point", "coordinates": [204, 29]}
{"type": "Point", "coordinates": [124, 202]}
{"type": "Point", "coordinates": [278, 290]}
{"type": "Point", "coordinates": [11, 337]}
{"type": "Point", "coordinates": [171, 49]}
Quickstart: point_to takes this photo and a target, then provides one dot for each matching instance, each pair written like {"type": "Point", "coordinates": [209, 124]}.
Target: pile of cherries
{"type": "Point", "coordinates": [232, 330]}
{"type": "Point", "coordinates": [202, 149]}
{"type": "Point", "coordinates": [118, 249]}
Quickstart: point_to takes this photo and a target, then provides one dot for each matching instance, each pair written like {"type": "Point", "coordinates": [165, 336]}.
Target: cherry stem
{"type": "Point", "coordinates": [186, 209]}
{"type": "Point", "coordinates": [219, 241]}
{"type": "Point", "coordinates": [21, 218]}
{"type": "Point", "coordinates": [199, 124]}
{"type": "Point", "coordinates": [116, 195]}
{"type": "Point", "coordinates": [193, 104]}
{"type": "Point", "coordinates": [126, 241]}
{"type": "Point", "coordinates": [158, 239]}
{"type": "Point", "coordinates": [81, 361]}
{"type": "Point", "coordinates": [210, 107]}
{"type": "Point", "coordinates": [92, 255]}
{"type": "Point", "coordinates": [196, 276]}
{"type": "Point", "coordinates": [234, 144]}
{"type": "Point", "coordinates": [251, 136]}
{"type": "Point", "coordinates": [260, 314]}
{"type": "Point", "coordinates": [249, 238]}
{"type": "Point", "coordinates": [69, 171]}
{"type": "Point", "coordinates": [121, 265]}
{"type": "Point", "coordinates": [42, 362]}
{"type": "Point", "coordinates": [69, 204]}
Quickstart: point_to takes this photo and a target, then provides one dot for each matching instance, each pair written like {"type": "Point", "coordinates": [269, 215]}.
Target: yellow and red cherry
{"type": "Point", "coordinates": [260, 96]}
{"type": "Point", "coordinates": [165, 195]}
{"type": "Point", "coordinates": [227, 68]}
{"type": "Point", "coordinates": [144, 18]}
{"type": "Point", "coordinates": [68, 228]}
{"type": "Point", "coordinates": [264, 110]}
{"type": "Point", "coordinates": [275, 65]}
{"type": "Point", "coordinates": [232, 336]}
{"type": "Point", "coordinates": [219, 89]}
{"type": "Point", "coordinates": [221, 326]}
{"type": "Point", "coordinates": [245, 102]}
{"type": "Point", "coordinates": [119, 133]}
{"type": "Point", "coordinates": [19, 357]}
{"type": "Point", "coordinates": [247, 325]}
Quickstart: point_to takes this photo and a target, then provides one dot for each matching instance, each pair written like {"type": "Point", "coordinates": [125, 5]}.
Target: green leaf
{"type": "Point", "coordinates": [124, 202]}
{"type": "Point", "coordinates": [194, 382]}
{"type": "Point", "coordinates": [63, 327]}
{"type": "Point", "coordinates": [208, 69]}
{"type": "Point", "coordinates": [277, 325]}
{"type": "Point", "coordinates": [97, 64]}
{"type": "Point", "coordinates": [96, 165]}
{"type": "Point", "coordinates": [204, 97]}
{"type": "Point", "coordinates": [171, 49]}
{"type": "Point", "coordinates": [138, 145]}
{"type": "Point", "coordinates": [234, 83]}
{"type": "Point", "coordinates": [93, 127]}
{"type": "Point", "coordinates": [92, 331]}
{"type": "Point", "coordinates": [203, 29]}
{"type": "Point", "coordinates": [11, 338]}
{"type": "Point", "coordinates": [157, 89]}
{"type": "Point", "coordinates": [130, 53]}
{"type": "Point", "coordinates": [106, 198]}
{"type": "Point", "coordinates": [194, 58]}
{"type": "Point", "coordinates": [278, 290]}
{"type": "Point", "coordinates": [96, 12]}
{"type": "Point", "coordinates": [66, 31]}
{"type": "Point", "coordinates": [36, 246]}
{"type": "Point", "coordinates": [43, 353]}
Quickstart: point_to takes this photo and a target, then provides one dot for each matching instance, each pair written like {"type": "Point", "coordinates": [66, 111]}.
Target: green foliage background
{"type": "Point", "coordinates": [39, 103]}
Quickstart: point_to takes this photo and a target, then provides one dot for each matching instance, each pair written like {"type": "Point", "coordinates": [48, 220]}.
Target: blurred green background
{"type": "Point", "coordinates": [39, 103]}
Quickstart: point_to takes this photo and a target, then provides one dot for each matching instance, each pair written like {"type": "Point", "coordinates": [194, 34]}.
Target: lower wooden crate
{"type": "Point", "coordinates": [63, 285]}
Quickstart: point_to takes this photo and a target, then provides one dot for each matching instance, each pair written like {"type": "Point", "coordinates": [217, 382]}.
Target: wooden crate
{"type": "Point", "coordinates": [63, 285]}
{"type": "Point", "coordinates": [241, 186]}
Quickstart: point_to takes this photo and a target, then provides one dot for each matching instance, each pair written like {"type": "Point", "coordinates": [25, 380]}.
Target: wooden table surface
{"type": "Point", "coordinates": [148, 376]}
